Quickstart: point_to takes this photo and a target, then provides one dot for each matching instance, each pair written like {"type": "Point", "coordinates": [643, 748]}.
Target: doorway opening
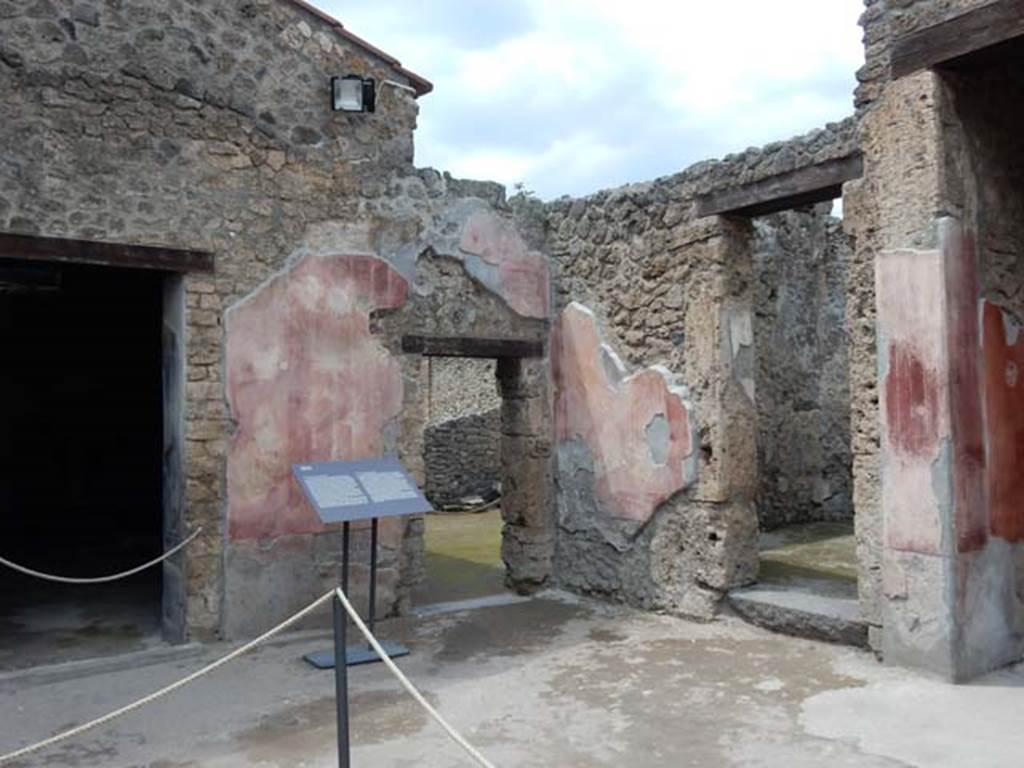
{"type": "Point", "coordinates": [81, 455]}
{"type": "Point", "coordinates": [462, 459]}
{"type": "Point", "coordinates": [808, 560]}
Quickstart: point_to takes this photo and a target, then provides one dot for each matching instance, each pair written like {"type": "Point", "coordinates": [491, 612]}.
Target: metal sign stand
{"type": "Point", "coordinates": [340, 492]}
{"type": "Point", "coordinates": [356, 655]}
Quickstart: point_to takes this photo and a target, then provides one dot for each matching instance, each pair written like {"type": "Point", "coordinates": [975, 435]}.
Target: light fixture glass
{"type": "Point", "coordinates": [353, 93]}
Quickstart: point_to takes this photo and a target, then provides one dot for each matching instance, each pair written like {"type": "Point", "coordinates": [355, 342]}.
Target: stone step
{"type": "Point", "coordinates": [802, 614]}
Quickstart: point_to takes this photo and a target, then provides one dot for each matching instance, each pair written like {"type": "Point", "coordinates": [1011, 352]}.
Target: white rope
{"type": "Point", "coordinates": [99, 579]}
{"type": "Point", "coordinates": [166, 689]}
{"type": "Point", "coordinates": [381, 654]}
{"type": "Point", "coordinates": [409, 687]}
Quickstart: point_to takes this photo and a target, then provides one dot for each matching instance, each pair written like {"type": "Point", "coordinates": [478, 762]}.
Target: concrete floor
{"type": "Point", "coordinates": [463, 557]}
{"type": "Point", "coordinates": [551, 682]}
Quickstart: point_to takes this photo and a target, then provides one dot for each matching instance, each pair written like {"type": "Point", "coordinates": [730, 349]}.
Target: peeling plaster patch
{"type": "Point", "coordinates": [517, 274]}
{"type": "Point", "coordinates": [613, 366]}
{"type": "Point", "coordinates": [637, 432]}
{"type": "Point", "coordinates": [658, 439]}
{"type": "Point", "coordinates": [306, 381]}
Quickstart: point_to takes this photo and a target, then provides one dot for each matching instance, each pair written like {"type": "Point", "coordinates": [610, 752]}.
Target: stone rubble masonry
{"type": "Point", "coordinates": [801, 261]}
{"type": "Point", "coordinates": [207, 126]}
{"type": "Point", "coordinates": [673, 290]}
{"type": "Point", "coordinates": [461, 386]}
{"type": "Point", "coordinates": [463, 457]}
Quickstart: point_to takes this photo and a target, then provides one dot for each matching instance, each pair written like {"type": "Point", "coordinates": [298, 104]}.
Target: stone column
{"type": "Point", "coordinates": [528, 539]}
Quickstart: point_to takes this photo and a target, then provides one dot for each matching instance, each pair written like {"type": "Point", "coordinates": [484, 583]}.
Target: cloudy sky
{"type": "Point", "coordinates": [570, 96]}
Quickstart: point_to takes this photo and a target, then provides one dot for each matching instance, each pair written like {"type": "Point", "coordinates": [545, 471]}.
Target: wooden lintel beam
{"type": "Point", "coordinates": [31, 248]}
{"type": "Point", "coordinates": [786, 191]}
{"type": "Point", "coordinates": [443, 346]}
{"type": "Point", "coordinates": [953, 41]}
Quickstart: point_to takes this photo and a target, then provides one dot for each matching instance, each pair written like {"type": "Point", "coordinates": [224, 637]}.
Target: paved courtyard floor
{"type": "Point", "coordinates": [554, 681]}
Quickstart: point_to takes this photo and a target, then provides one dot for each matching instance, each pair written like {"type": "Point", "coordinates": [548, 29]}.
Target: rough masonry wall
{"type": "Point", "coordinates": [987, 152]}
{"type": "Point", "coordinates": [891, 207]}
{"type": "Point", "coordinates": [673, 290]}
{"type": "Point", "coordinates": [463, 457]}
{"type": "Point", "coordinates": [190, 125]}
{"type": "Point", "coordinates": [462, 442]}
{"type": "Point", "coordinates": [207, 126]}
{"type": "Point", "coordinates": [801, 261]}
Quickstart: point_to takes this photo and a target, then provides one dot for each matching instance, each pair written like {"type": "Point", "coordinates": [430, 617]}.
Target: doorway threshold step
{"type": "Point", "coordinates": [802, 614]}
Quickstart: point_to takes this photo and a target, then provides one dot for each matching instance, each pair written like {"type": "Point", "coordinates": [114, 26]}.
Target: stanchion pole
{"type": "Point", "coordinates": [373, 577]}
{"type": "Point", "coordinates": [341, 658]}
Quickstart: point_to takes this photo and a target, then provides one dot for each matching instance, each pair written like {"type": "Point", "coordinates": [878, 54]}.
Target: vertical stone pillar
{"type": "Point", "coordinates": [729, 476]}
{"type": "Point", "coordinates": [528, 539]}
{"type": "Point", "coordinates": [946, 583]}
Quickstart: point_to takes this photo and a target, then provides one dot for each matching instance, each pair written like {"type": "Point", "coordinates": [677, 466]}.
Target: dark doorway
{"type": "Point", "coordinates": [81, 442]}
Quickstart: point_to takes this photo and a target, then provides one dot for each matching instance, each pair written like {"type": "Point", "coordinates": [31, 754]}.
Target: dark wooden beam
{"type": "Point", "coordinates": [955, 42]}
{"type": "Point", "coordinates": [30, 248]}
{"type": "Point", "coordinates": [463, 346]}
{"type": "Point", "coordinates": [795, 189]}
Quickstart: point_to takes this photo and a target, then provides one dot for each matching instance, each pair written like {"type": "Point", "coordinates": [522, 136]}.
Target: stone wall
{"type": "Point", "coordinates": [801, 262]}
{"type": "Point", "coordinates": [208, 127]}
{"type": "Point", "coordinates": [460, 386]}
{"type": "Point", "coordinates": [463, 457]}
{"type": "Point", "coordinates": [881, 211]}
{"type": "Point", "coordinates": [669, 289]}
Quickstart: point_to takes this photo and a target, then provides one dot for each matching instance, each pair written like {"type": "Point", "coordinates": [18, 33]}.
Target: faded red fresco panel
{"type": "Point", "coordinates": [613, 418]}
{"type": "Point", "coordinates": [911, 402]}
{"type": "Point", "coordinates": [1004, 415]}
{"type": "Point", "coordinates": [523, 280]}
{"type": "Point", "coordinates": [306, 381]}
{"type": "Point", "coordinates": [966, 425]}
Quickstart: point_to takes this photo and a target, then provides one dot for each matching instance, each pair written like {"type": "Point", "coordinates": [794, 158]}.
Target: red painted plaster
{"type": "Point", "coordinates": [966, 420]}
{"type": "Point", "coordinates": [1004, 417]}
{"type": "Point", "coordinates": [306, 381]}
{"type": "Point", "coordinates": [611, 417]}
{"type": "Point", "coordinates": [912, 402]}
{"type": "Point", "coordinates": [523, 280]}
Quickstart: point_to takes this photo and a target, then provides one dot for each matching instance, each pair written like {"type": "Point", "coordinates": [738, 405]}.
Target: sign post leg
{"type": "Point", "coordinates": [340, 661]}
{"type": "Point", "coordinates": [372, 614]}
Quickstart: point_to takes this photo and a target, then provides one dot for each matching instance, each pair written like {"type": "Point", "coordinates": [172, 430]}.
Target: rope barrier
{"type": "Point", "coordinates": [409, 687]}
{"type": "Point", "coordinates": [63, 736]}
{"type": "Point", "coordinates": [100, 579]}
{"type": "Point", "coordinates": [381, 654]}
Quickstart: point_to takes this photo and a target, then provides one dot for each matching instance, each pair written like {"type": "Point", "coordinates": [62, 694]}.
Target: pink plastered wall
{"type": "Point", "coordinates": [597, 403]}
{"type": "Point", "coordinates": [306, 381]}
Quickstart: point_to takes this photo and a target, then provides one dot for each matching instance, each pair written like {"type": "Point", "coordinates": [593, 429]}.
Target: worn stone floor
{"type": "Point", "coordinates": [811, 552]}
{"type": "Point", "coordinates": [463, 557]}
{"type": "Point", "coordinates": [47, 623]}
{"type": "Point", "coordinates": [555, 681]}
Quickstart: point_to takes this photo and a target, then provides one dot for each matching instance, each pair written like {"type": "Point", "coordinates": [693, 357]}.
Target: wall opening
{"type": "Point", "coordinates": [802, 384]}
{"type": "Point", "coordinates": [462, 468]}
{"type": "Point", "coordinates": [81, 458]}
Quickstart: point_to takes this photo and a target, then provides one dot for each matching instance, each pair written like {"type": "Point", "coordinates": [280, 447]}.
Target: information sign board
{"type": "Point", "coordinates": [343, 491]}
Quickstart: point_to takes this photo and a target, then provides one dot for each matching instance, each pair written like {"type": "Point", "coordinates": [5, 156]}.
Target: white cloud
{"type": "Point", "coordinates": [569, 96]}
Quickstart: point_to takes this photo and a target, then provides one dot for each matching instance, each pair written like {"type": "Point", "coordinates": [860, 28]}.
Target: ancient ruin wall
{"type": "Point", "coordinates": [462, 457]}
{"type": "Point", "coordinates": [669, 289]}
{"type": "Point", "coordinates": [878, 213]}
{"type": "Point", "coordinates": [208, 127]}
{"type": "Point", "coordinates": [801, 262]}
{"type": "Point", "coordinates": [462, 442]}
